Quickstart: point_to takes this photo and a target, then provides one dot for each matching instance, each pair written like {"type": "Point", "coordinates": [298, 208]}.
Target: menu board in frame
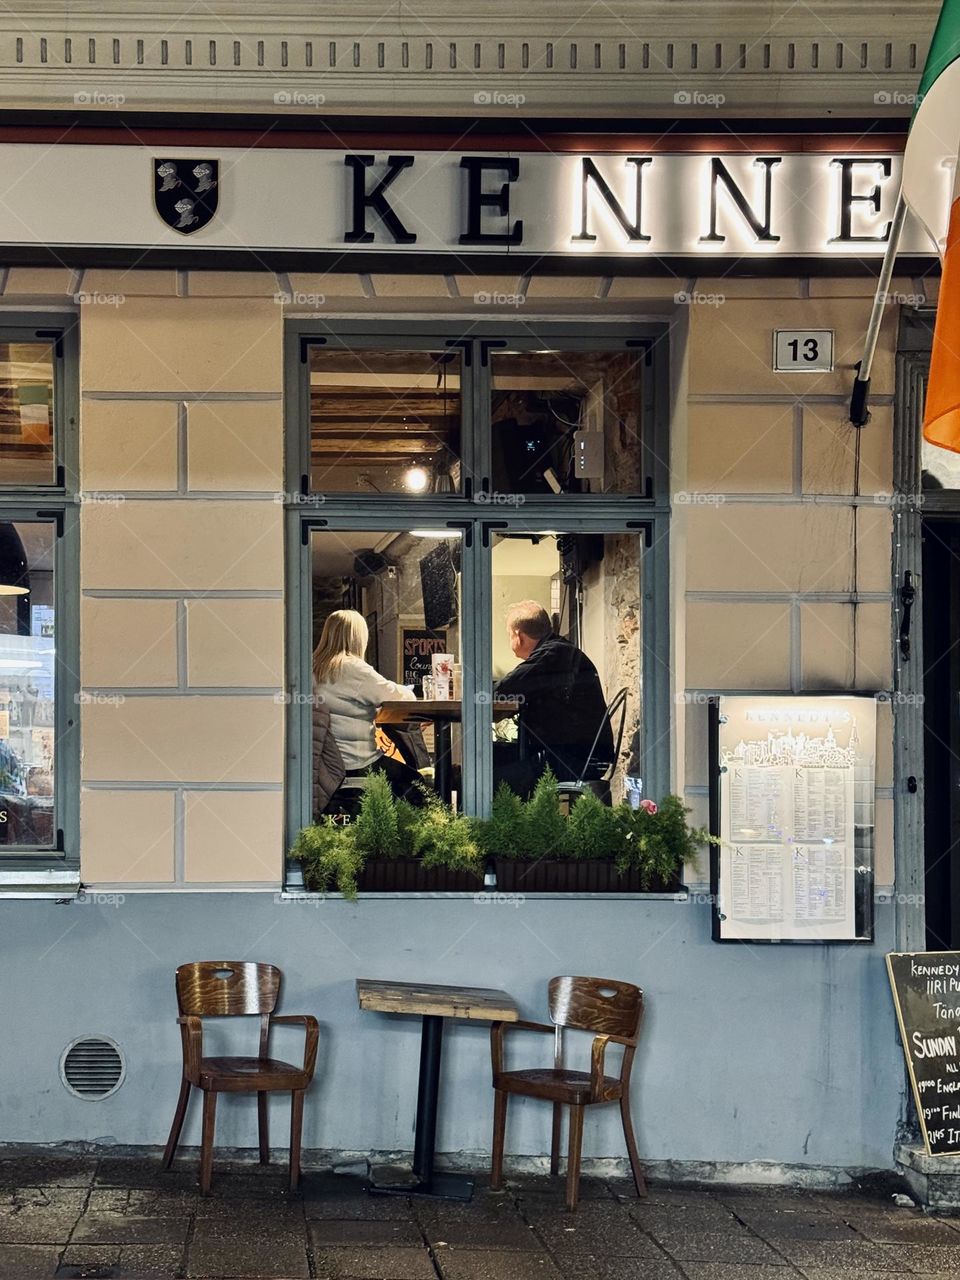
{"type": "Point", "coordinates": [792, 802]}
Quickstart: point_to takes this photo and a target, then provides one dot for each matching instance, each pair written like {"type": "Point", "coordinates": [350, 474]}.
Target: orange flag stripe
{"type": "Point", "coordinates": [941, 418]}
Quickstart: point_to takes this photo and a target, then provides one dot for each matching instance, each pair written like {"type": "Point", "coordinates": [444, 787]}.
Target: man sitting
{"type": "Point", "coordinates": [562, 706]}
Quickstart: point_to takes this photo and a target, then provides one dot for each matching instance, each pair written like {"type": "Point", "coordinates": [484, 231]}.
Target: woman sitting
{"type": "Point", "coordinates": [352, 691]}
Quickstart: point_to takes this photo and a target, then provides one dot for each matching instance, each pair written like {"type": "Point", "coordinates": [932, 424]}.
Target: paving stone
{"type": "Point", "coordinates": [717, 1246]}
{"type": "Point", "coordinates": [25, 1261]}
{"type": "Point", "coordinates": [484, 1223]}
{"type": "Point", "coordinates": [737, 1271]}
{"type": "Point", "coordinates": [131, 1261]}
{"type": "Point", "coordinates": [334, 1232]}
{"type": "Point", "coordinates": [251, 1259]}
{"type": "Point", "coordinates": [375, 1264]}
{"type": "Point", "coordinates": [330, 1196]}
{"type": "Point", "coordinates": [587, 1267]}
{"type": "Point", "coordinates": [496, 1264]}
{"type": "Point", "coordinates": [856, 1255]}
{"type": "Point", "coordinates": [42, 1171]}
{"type": "Point", "coordinates": [831, 1273]}
{"type": "Point", "coordinates": [700, 1217]}
{"type": "Point", "coordinates": [905, 1227]}
{"type": "Point", "coordinates": [124, 1228]}
{"type": "Point", "coordinates": [799, 1226]}
{"type": "Point", "coordinates": [37, 1224]}
{"type": "Point", "coordinates": [219, 1217]}
{"type": "Point", "coordinates": [141, 1201]}
{"type": "Point", "coordinates": [606, 1229]}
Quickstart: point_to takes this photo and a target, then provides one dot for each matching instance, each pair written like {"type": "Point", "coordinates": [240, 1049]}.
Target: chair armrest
{"type": "Point", "coordinates": [312, 1029]}
{"type": "Point", "coordinates": [597, 1052]}
{"type": "Point", "coordinates": [497, 1031]}
{"type": "Point", "coordinates": [191, 1036]}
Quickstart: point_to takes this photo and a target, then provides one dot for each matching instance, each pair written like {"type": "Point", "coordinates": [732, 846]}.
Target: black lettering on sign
{"type": "Point", "coordinates": [930, 1033]}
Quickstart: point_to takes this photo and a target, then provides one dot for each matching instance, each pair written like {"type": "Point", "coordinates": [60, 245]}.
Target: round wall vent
{"type": "Point", "coordinates": [92, 1067]}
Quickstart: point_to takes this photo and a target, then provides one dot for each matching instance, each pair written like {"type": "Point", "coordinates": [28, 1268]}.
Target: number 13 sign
{"type": "Point", "coordinates": [802, 350]}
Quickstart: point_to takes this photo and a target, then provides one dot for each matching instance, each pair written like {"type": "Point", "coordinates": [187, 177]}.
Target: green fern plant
{"type": "Point", "coordinates": [375, 829]}
{"type": "Point", "coordinates": [543, 827]}
{"type": "Point", "coordinates": [330, 858]}
{"type": "Point", "coordinates": [594, 829]}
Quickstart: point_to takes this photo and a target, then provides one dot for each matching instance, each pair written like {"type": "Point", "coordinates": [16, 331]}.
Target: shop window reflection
{"type": "Point", "coordinates": [566, 645]}
{"type": "Point", "coordinates": [26, 414]}
{"type": "Point", "coordinates": [387, 673]}
{"type": "Point", "coordinates": [566, 422]}
{"type": "Point", "coordinates": [27, 648]}
{"type": "Point", "coordinates": [384, 422]}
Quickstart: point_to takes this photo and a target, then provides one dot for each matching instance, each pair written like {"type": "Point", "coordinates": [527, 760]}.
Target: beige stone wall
{"type": "Point", "coordinates": [181, 580]}
{"type": "Point", "coordinates": [780, 544]}
{"type": "Point", "coordinates": [785, 537]}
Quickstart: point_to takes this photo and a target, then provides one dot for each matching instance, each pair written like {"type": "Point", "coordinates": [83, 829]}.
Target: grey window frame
{"type": "Point", "coordinates": [30, 872]}
{"type": "Point", "coordinates": [648, 515]}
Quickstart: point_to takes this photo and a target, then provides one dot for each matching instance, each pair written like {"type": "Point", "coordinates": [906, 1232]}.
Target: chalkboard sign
{"type": "Point", "coordinates": [926, 992]}
{"type": "Point", "coordinates": [417, 644]}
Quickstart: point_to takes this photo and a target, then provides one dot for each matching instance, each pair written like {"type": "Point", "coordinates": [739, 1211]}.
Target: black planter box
{"type": "Point", "coordinates": [550, 875]}
{"type": "Point", "coordinates": [409, 875]}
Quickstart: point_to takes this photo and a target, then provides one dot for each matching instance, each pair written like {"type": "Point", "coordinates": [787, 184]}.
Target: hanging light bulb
{"type": "Point", "coordinates": [416, 479]}
{"type": "Point", "coordinates": [14, 574]}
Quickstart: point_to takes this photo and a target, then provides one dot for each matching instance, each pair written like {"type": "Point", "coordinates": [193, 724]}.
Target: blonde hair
{"type": "Point", "coordinates": [530, 619]}
{"type": "Point", "coordinates": [344, 635]}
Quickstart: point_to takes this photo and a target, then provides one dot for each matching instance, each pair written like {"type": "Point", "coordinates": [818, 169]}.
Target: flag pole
{"type": "Point", "coordinates": [859, 414]}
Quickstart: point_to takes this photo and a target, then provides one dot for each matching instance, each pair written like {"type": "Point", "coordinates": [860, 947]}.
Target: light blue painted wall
{"type": "Point", "coordinates": [785, 1054]}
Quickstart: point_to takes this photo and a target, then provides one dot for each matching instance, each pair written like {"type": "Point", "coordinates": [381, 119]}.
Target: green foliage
{"type": "Point", "coordinates": [594, 829]}
{"type": "Point", "coordinates": [543, 827]}
{"type": "Point", "coordinates": [502, 832]}
{"type": "Point", "coordinates": [330, 858]}
{"type": "Point", "coordinates": [655, 844]}
{"type": "Point", "coordinates": [376, 829]}
{"type": "Point", "coordinates": [442, 838]}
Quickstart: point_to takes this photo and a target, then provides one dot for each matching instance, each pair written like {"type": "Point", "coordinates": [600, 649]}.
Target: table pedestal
{"type": "Point", "coordinates": [444, 1186]}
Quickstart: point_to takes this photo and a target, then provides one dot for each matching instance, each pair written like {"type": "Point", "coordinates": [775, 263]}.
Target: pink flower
{"type": "Point", "coordinates": [648, 806]}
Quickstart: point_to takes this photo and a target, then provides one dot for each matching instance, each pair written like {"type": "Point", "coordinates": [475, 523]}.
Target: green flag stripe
{"type": "Point", "coordinates": [944, 47]}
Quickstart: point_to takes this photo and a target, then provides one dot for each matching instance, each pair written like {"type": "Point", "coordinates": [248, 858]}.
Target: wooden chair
{"type": "Point", "coordinates": [227, 989]}
{"type": "Point", "coordinates": [613, 1010]}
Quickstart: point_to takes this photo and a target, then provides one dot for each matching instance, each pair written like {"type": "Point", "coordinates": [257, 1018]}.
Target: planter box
{"type": "Point", "coordinates": [409, 875]}
{"type": "Point", "coordinates": [571, 876]}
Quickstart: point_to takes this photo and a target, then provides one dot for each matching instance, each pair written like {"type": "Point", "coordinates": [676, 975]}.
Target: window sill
{"type": "Point", "coordinates": [483, 897]}
{"type": "Point", "coordinates": [54, 882]}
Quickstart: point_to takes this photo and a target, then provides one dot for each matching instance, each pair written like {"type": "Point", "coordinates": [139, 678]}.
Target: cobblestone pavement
{"type": "Point", "coordinates": [113, 1218]}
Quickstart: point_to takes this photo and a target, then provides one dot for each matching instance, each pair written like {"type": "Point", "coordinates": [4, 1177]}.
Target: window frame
{"type": "Point", "coordinates": [37, 871]}
{"type": "Point", "coordinates": [647, 515]}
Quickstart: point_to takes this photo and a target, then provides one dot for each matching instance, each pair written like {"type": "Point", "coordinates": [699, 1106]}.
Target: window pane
{"type": "Point", "coordinates": [26, 685]}
{"type": "Point", "coordinates": [387, 652]}
{"type": "Point", "coordinates": [566, 422]}
{"type": "Point", "coordinates": [384, 421]}
{"type": "Point", "coordinates": [566, 642]}
{"type": "Point", "coordinates": [26, 413]}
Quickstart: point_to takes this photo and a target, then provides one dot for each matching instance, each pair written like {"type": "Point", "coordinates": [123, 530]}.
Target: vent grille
{"type": "Point", "coordinates": [92, 1067]}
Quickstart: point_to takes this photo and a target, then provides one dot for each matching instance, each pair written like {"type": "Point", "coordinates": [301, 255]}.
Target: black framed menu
{"type": "Point", "coordinates": [792, 803]}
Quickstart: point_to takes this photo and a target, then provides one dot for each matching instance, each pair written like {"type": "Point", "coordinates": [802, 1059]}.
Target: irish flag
{"type": "Point", "coordinates": [933, 147]}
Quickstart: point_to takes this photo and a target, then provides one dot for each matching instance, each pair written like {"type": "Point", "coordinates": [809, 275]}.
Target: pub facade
{"type": "Point", "coordinates": [307, 320]}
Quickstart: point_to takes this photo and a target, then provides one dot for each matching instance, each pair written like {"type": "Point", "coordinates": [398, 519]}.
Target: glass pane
{"type": "Point", "coordinates": [26, 413]}
{"type": "Point", "coordinates": [26, 685]}
{"type": "Point", "coordinates": [387, 686]}
{"type": "Point", "coordinates": [566, 651]}
{"type": "Point", "coordinates": [384, 421]}
{"type": "Point", "coordinates": [566, 422]}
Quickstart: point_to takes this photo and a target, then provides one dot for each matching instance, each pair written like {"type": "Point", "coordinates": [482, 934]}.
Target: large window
{"type": "Point", "coordinates": [39, 792]}
{"type": "Point", "coordinates": [457, 502]}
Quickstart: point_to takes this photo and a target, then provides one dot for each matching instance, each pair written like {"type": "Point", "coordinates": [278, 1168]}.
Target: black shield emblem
{"type": "Point", "coordinates": [186, 192]}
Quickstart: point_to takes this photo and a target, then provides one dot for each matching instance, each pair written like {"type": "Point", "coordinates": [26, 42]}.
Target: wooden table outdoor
{"type": "Point", "coordinates": [433, 1003]}
{"type": "Point", "coordinates": [442, 713]}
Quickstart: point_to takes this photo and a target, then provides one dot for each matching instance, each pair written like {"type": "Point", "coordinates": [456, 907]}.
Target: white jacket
{"type": "Point", "coordinates": [352, 702]}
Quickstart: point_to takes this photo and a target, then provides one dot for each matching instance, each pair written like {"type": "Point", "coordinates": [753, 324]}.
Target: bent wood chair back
{"type": "Point", "coordinates": [604, 1006]}
{"type": "Point", "coordinates": [230, 989]}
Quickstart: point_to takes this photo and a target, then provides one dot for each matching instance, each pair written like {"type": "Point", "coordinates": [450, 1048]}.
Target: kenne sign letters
{"type": "Point", "coordinates": [812, 203]}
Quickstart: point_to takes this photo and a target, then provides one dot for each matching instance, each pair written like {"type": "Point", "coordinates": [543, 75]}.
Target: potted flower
{"type": "Point", "coordinates": [598, 848]}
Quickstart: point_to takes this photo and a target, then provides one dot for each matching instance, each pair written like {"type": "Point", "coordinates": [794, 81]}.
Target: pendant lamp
{"type": "Point", "coordinates": [14, 574]}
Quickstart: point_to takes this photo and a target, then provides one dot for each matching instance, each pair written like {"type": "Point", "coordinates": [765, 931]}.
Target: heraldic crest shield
{"type": "Point", "coordinates": [186, 192]}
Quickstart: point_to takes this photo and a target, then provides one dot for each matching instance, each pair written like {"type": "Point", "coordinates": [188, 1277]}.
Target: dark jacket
{"type": "Point", "coordinates": [328, 770]}
{"type": "Point", "coordinates": [562, 707]}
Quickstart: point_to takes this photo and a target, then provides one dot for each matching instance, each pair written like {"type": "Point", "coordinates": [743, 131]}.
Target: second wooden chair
{"type": "Point", "coordinates": [602, 1005]}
